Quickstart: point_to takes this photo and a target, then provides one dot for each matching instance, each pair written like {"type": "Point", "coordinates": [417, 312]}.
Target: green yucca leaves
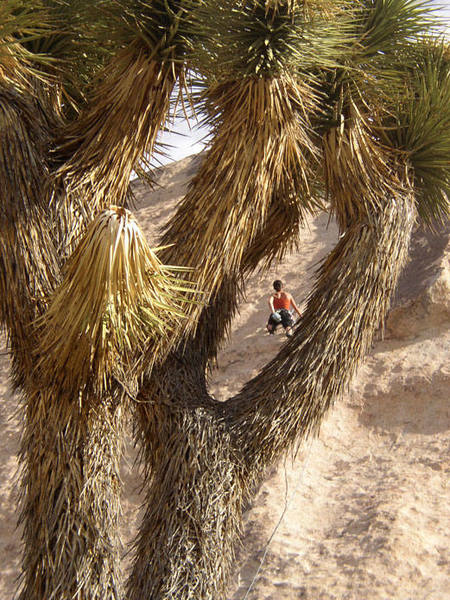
{"type": "Point", "coordinates": [387, 32]}
{"type": "Point", "coordinates": [382, 34]}
{"type": "Point", "coordinates": [261, 38]}
{"type": "Point", "coordinates": [419, 125]}
{"type": "Point", "coordinates": [382, 26]}
{"type": "Point", "coordinates": [20, 23]}
{"type": "Point", "coordinates": [72, 50]}
{"type": "Point", "coordinates": [21, 19]}
{"type": "Point", "coordinates": [115, 300]}
{"type": "Point", "coordinates": [162, 26]}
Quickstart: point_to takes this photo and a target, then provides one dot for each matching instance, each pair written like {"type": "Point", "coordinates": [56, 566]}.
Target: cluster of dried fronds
{"type": "Point", "coordinates": [27, 253]}
{"type": "Point", "coordinates": [308, 101]}
{"type": "Point", "coordinates": [130, 304]}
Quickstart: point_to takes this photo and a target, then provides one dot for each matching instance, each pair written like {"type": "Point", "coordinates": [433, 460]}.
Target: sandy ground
{"type": "Point", "coordinates": [362, 512]}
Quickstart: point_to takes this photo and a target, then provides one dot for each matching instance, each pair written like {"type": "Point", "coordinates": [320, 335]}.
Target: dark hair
{"type": "Point", "coordinates": [277, 285]}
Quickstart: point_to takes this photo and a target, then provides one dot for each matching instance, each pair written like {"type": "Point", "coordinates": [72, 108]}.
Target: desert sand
{"type": "Point", "coordinates": [362, 512]}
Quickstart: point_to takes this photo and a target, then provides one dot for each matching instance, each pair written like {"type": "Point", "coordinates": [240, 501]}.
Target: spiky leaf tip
{"type": "Point", "coordinates": [21, 22]}
{"type": "Point", "coordinates": [384, 26]}
{"type": "Point", "coordinates": [380, 36]}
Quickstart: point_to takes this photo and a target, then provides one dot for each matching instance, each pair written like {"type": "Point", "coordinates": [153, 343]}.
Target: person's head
{"type": "Point", "coordinates": [277, 285]}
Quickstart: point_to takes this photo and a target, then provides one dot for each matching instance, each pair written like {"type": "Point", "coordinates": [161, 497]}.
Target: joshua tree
{"type": "Point", "coordinates": [312, 104]}
{"type": "Point", "coordinates": [63, 106]}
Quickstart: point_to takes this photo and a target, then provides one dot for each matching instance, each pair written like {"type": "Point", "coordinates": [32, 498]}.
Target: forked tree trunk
{"type": "Point", "coordinates": [186, 543]}
{"type": "Point", "coordinates": [187, 538]}
{"type": "Point", "coordinates": [202, 458]}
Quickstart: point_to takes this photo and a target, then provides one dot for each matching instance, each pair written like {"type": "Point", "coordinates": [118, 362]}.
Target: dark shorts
{"type": "Point", "coordinates": [286, 319]}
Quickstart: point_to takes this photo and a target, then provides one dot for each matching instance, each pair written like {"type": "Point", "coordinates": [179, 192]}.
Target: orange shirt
{"type": "Point", "coordinates": [283, 302]}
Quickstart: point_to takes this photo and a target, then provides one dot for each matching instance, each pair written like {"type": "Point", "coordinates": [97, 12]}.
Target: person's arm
{"type": "Point", "coordinates": [272, 310]}
{"type": "Point", "coordinates": [295, 306]}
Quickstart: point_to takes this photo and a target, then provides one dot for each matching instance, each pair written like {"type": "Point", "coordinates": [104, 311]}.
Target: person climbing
{"type": "Point", "coordinates": [280, 304]}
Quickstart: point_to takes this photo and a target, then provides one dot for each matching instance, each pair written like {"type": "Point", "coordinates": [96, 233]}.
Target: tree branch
{"type": "Point", "coordinates": [287, 400]}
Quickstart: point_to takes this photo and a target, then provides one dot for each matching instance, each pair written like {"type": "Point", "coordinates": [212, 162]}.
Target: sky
{"type": "Point", "coordinates": [184, 140]}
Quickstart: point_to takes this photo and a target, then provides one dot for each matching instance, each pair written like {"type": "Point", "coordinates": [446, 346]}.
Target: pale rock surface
{"type": "Point", "coordinates": [362, 512]}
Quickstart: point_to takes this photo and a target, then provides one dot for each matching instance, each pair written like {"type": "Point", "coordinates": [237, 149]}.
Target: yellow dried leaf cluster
{"type": "Point", "coordinates": [115, 300]}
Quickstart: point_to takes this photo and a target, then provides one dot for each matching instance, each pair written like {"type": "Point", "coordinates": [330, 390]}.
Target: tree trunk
{"type": "Point", "coordinates": [284, 404]}
{"type": "Point", "coordinates": [70, 482]}
{"type": "Point", "coordinates": [185, 546]}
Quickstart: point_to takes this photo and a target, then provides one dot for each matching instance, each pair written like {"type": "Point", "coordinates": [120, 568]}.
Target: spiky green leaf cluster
{"type": "Point", "coordinates": [383, 34]}
{"type": "Point", "coordinates": [162, 26]}
{"type": "Point", "coordinates": [20, 18]}
{"type": "Point", "coordinates": [262, 38]}
{"type": "Point", "coordinates": [387, 32]}
{"type": "Point", "coordinates": [21, 23]}
{"type": "Point", "coordinates": [383, 26]}
{"type": "Point", "coordinates": [76, 38]}
{"type": "Point", "coordinates": [72, 48]}
{"type": "Point", "coordinates": [419, 125]}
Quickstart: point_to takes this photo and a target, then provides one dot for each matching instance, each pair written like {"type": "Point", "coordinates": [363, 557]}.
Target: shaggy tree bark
{"type": "Point", "coordinates": [68, 457]}
{"type": "Point", "coordinates": [70, 507]}
{"type": "Point", "coordinates": [193, 497]}
{"type": "Point", "coordinates": [186, 543]}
